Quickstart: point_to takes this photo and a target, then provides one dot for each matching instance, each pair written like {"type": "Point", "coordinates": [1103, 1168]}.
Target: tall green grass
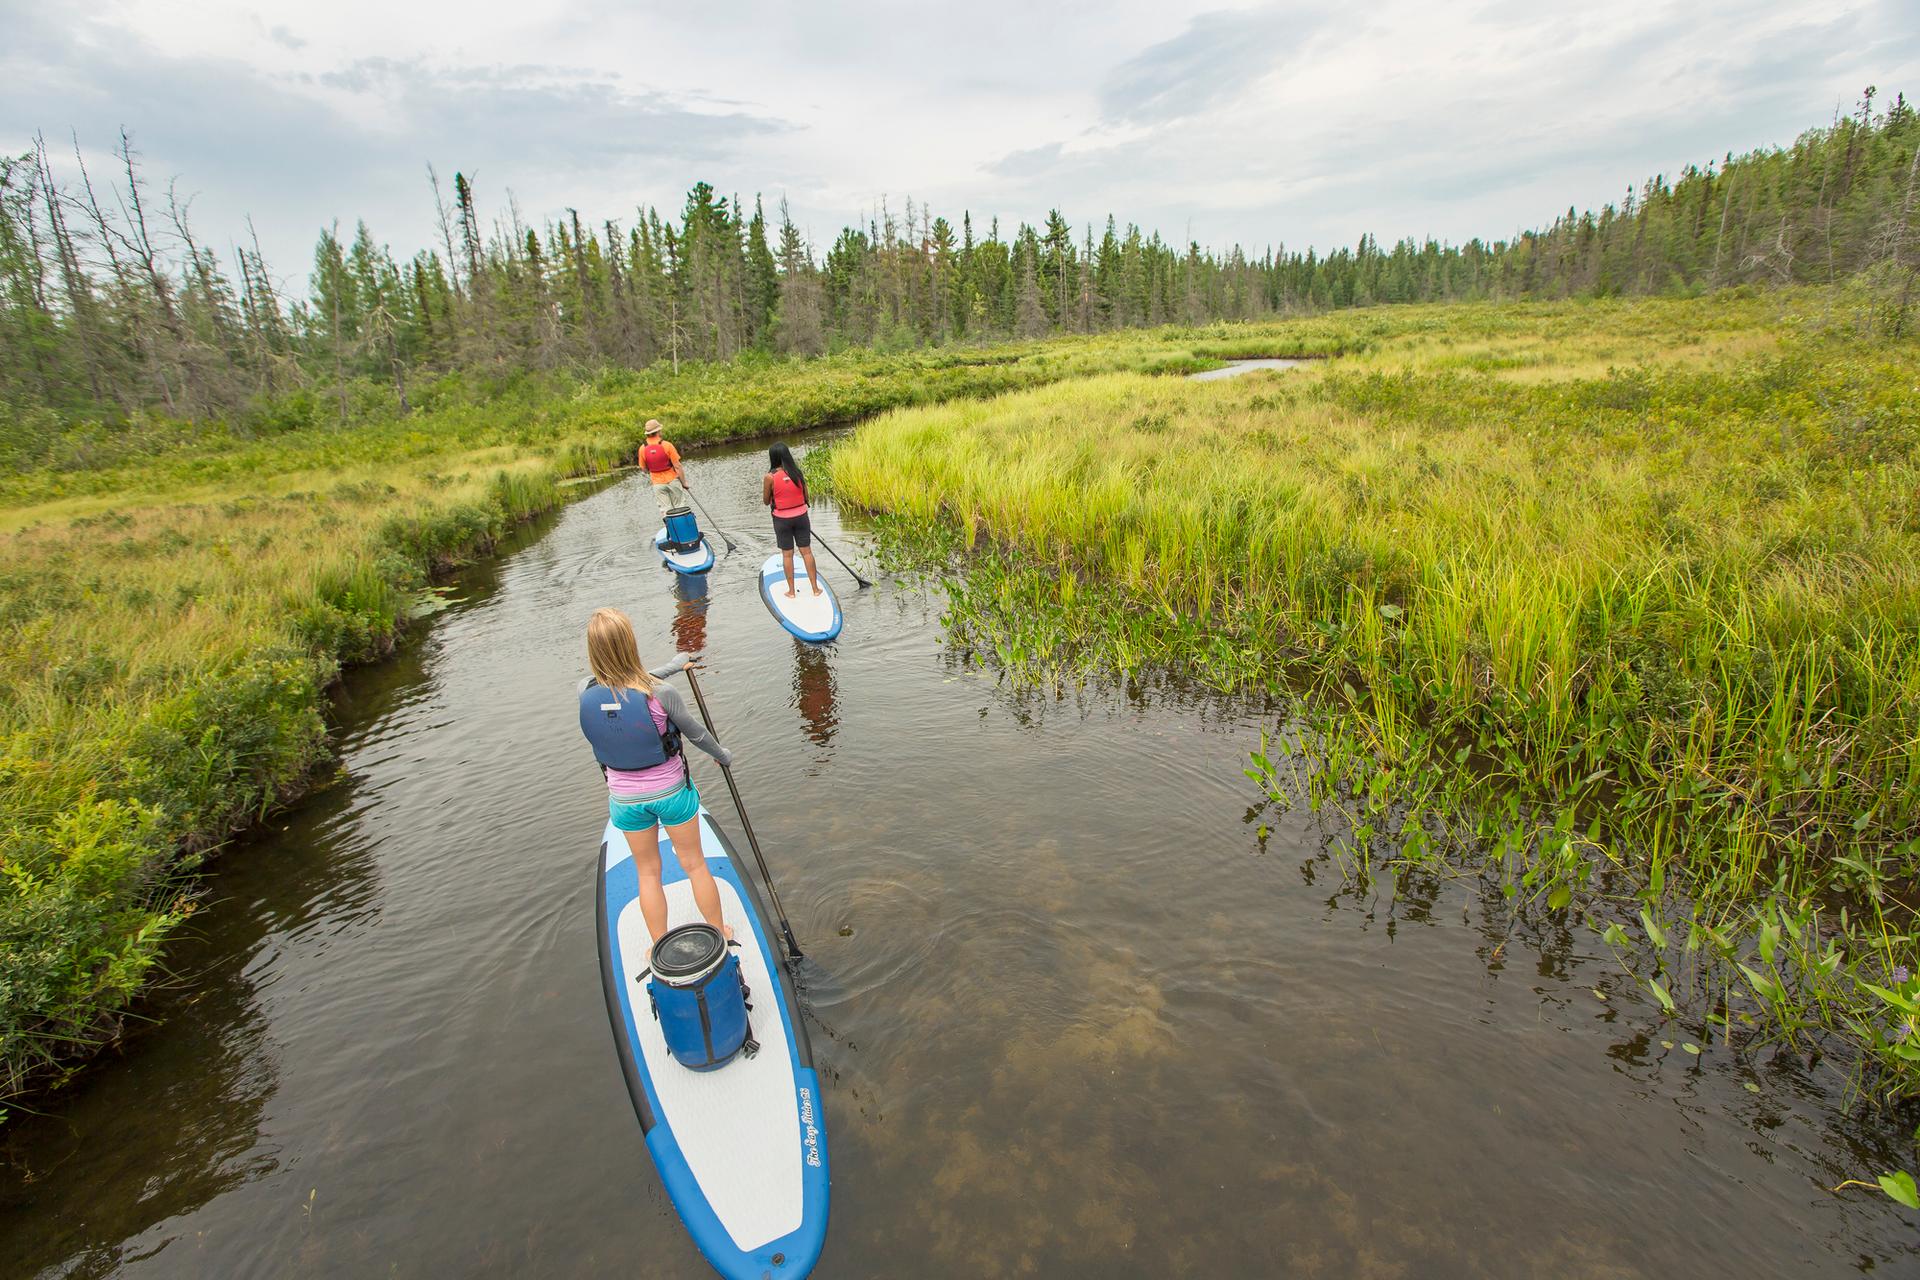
{"type": "Point", "coordinates": [1672, 589]}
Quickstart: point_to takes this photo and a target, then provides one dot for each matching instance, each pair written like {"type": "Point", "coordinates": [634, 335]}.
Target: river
{"type": "Point", "coordinates": [1076, 1014]}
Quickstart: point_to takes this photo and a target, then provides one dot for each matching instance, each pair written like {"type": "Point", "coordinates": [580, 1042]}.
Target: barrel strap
{"type": "Point", "coordinates": [706, 1023]}
{"type": "Point", "coordinates": [749, 1046]}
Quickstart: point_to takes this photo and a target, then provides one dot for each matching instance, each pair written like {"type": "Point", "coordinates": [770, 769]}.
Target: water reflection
{"type": "Point", "coordinates": [181, 1120]}
{"type": "Point", "coordinates": [205, 1118]}
{"type": "Point", "coordinates": [815, 696]}
{"type": "Point", "coordinates": [690, 601]}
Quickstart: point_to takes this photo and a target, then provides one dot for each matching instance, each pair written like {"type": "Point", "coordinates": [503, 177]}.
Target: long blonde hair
{"type": "Point", "coordinates": [613, 653]}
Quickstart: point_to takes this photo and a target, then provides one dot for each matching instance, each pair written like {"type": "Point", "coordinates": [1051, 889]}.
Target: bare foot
{"type": "Point", "coordinates": [817, 591]}
{"type": "Point", "coordinates": [789, 594]}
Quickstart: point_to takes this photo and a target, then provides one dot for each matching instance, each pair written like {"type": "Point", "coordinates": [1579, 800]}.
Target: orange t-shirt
{"type": "Point", "coordinates": [662, 477]}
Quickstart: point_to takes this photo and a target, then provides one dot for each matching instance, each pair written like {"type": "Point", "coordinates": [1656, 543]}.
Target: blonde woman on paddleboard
{"type": "Point", "coordinates": [785, 490]}
{"type": "Point", "coordinates": [636, 723]}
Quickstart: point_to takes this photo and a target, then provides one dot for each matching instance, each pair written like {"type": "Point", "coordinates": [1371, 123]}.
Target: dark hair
{"type": "Point", "coordinates": [780, 458]}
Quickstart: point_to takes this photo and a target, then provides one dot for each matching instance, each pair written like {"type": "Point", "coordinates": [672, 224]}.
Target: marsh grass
{"type": "Point", "coordinates": [1629, 588]}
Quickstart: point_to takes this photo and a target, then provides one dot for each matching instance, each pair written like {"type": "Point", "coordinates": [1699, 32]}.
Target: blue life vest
{"type": "Point", "coordinates": [619, 726]}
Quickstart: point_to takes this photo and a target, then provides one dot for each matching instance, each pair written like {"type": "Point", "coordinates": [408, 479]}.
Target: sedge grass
{"type": "Point", "coordinates": [1674, 589]}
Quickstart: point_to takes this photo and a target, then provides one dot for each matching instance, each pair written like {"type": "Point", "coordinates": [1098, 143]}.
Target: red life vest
{"type": "Point", "coordinates": [789, 499]}
{"type": "Point", "coordinates": [656, 458]}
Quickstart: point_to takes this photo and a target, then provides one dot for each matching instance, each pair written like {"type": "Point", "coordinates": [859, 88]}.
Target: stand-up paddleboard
{"type": "Point", "coordinates": [809, 616]}
{"type": "Point", "coordinates": [698, 560]}
{"type": "Point", "coordinates": [742, 1149]}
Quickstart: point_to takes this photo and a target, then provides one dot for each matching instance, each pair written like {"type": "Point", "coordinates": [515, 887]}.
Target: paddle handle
{"type": "Point", "coordinates": [773, 894]}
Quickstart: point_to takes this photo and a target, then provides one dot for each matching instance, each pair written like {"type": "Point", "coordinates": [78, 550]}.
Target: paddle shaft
{"type": "Point", "coordinates": [843, 564]}
{"type": "Point", "coordinates": [793, 947]}
{"type": "Point", "coordinates": [710, 520]}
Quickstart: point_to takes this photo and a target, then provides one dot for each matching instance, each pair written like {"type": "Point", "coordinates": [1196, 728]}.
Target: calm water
{"type": "Point", "coordinates": [1075, 1017]}
{"type": "Point", "coordinates": [1237, 367]}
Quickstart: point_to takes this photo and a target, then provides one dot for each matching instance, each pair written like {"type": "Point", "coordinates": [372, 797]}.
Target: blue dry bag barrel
{"type": "Point", "coordinates": [682, 529]}
{"type": "Point", "coordinates": [699, 997]}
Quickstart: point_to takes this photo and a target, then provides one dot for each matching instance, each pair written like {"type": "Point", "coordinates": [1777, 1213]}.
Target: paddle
{"type": "Point", "coordinates": [843, 564]}
{"type": "Point", "coordinates": [711, 522]}
{"type": "Point", "coordinates": [793, 947]}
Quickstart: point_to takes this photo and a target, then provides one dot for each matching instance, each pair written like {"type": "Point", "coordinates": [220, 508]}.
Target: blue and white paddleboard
{"type": "Point", "coordinates": [742, 1150]}
{"type": "Point", "coordinates": [698, 560]}
{"type": "Point", "coordinates": [809, 616]}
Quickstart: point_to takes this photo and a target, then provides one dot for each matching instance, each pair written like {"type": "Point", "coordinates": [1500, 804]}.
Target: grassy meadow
{"type": "Point", "coordinates": [175, 596]}
{"type": "Point", "coordinates": [1623, 597]}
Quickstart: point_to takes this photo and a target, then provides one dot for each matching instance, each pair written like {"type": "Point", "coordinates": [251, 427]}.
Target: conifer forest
{"type": "Point", "coordinates": [114, 304]}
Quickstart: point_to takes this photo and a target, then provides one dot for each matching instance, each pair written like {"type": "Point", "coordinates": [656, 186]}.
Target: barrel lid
{"type": "Point", "coordinates": [687, 954]}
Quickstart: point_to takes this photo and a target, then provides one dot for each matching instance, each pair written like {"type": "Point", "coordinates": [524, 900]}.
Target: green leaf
{"type": "Point", "coordinates": [1390, 611]}
{"type": "Point", "coordinates": [1750, 1087]}
{"type": "Point", "coordinates": [1660, 994]}
{"type": "Point", "coordinates": [1769, 940]}
{"type": "Point", "coordinates": [1767, 988]}
{"type": "Point", "coordinates": [1899, 1185]}
{"type": "Point", "coordinates": [1691, 1048]}
{"type": "Point", "coordinates": [1894, 998]}
{"type": "Point", "coordinates": [1559, 898]}
{"type": "Point", "coordinates": [1655, 934]}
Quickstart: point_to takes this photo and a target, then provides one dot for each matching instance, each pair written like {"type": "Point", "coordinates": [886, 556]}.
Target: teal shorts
{"type": "Point", "coordinates": [669, 811]}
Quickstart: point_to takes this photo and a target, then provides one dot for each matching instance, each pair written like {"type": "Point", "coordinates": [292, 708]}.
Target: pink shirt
{"type": "Point", "coordinates": [636, 786]}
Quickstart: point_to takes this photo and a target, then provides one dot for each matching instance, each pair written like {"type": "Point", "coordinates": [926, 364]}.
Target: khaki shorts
{"type": "Point", "coordinates": [671, 496]}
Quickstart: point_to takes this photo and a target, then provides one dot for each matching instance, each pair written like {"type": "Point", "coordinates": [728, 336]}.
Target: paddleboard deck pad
{"type": "Point", "coordinates": [811, 617]}
{"type": "Point", "coordinates": [698, 560]}
{"type": "Point", "coordinates": [741, 1150]}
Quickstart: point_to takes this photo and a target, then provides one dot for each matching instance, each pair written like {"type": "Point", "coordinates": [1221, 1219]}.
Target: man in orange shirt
{"type": "Point", "coordinates": [661, 461]}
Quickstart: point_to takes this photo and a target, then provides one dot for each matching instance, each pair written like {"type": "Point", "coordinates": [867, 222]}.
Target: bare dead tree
{"type": "Point", "coordinates": [446, 227]}
{"type": "Point", "coordinates": [73, 280]}
{"type": "Point", "coordinates": [123, 280]}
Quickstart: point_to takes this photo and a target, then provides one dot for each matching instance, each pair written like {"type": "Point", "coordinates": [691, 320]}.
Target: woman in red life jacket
{"type": "Point", "coordinates": [785, 490]}
{"type": "Point", "coordinates": [661, 461]}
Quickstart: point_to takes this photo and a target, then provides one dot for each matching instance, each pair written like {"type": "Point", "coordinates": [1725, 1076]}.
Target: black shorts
{"type": "Point", "coordinates": [792, 531]}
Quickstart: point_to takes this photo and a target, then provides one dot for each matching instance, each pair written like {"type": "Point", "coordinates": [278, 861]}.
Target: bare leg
{"type": "Point", "coordinates": [646, 862]}
{"type": "Point", "coordinates": [706, 894]}
{"type": "Point", "coordinates": [813, 571]}
{"type": "Point", "coordinates": [786, 561]}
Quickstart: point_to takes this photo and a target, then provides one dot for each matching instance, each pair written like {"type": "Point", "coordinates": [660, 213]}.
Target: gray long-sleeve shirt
{"type": "Point", "coordinates": [679, 715]}
{"type": "Point", "coordinates": [689, 725]}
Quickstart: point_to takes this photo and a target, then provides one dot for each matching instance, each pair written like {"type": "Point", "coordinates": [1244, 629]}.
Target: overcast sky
{"type": "Point", "coordinates": [1294, 123]}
